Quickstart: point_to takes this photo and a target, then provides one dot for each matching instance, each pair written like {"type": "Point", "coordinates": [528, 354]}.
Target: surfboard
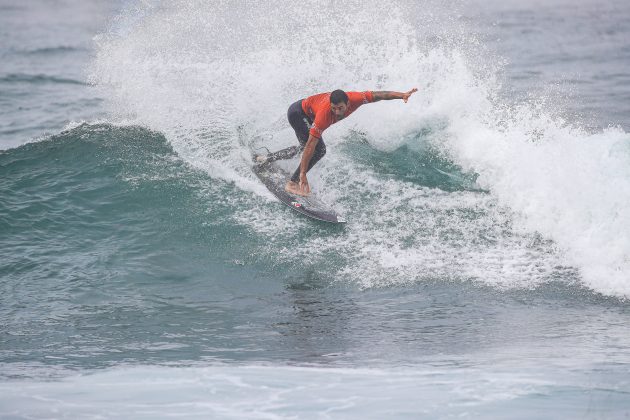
{"type": "Point", "coordinates": [275, 178]}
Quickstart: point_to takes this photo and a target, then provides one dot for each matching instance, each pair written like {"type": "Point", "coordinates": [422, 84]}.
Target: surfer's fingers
{"type": "Point", "coordinates": [408, 94]}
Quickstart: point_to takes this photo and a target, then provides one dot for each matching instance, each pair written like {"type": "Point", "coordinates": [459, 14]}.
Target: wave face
{"type": "Point", "coordinates": [457, 184]}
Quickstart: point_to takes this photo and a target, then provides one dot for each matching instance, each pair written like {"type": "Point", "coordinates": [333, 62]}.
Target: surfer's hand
{"type": "Point", "coordinates": [304, 187]}
{"type": "Point", "coordinates": [406, 95]}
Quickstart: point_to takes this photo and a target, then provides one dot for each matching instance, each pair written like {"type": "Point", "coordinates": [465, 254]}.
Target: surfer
{"type": "Point", "coordinates": [310, 117]}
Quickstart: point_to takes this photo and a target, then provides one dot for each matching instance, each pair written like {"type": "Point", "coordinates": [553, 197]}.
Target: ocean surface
{"type": "Point", "coordinates": [484, 271]}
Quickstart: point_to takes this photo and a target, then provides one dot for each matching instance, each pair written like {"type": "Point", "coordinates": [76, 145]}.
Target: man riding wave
{"type": "Point", "coordinates": [310, 117]}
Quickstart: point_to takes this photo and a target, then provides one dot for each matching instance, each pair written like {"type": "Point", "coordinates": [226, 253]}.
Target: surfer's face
{"type": "Point", "coordinates": [339, 109]}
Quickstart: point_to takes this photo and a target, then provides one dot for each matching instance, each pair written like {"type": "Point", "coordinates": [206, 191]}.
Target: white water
{"type": "Point", "coordinates": [284, 392]}
{"type": "Point", "coordinates": [209, 75]}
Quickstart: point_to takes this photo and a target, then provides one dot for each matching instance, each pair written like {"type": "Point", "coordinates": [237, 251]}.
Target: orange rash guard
{"type": "Point", "coordinates": [317, 107]}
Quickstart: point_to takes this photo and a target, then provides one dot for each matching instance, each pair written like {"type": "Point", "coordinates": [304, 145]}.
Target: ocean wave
{"type": "Point", "coordinates": [410, 221]}
{"type": "Point", "coordinates": [456, 184]}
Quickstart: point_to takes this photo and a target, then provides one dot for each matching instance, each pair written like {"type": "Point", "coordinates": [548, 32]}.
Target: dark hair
{"type": "Point", "coordinates": [338, 96]}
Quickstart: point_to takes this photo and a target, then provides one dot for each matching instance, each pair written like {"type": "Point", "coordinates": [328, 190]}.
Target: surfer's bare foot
{"type": "Point", "coordinates": [294, 188]}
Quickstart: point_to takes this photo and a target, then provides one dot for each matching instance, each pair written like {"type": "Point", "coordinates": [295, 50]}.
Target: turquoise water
{"type": "Point", "coordinates": [483, 271]}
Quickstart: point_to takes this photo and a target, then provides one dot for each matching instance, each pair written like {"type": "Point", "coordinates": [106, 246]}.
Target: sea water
{"type": "Point", "coordinates": [484, 271]}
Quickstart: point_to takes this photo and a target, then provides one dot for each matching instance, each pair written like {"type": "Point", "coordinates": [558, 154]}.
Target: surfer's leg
{"type": "Point", "coordinates": [300, 123]}
{"type": "Point", "coordinates": [320, 151]}
{"type": "Point", "coordinates": [287, 153]}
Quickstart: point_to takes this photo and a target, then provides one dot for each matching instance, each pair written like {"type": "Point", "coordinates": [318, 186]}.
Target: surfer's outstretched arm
{"type": "Point", "coordinates": [388, 95]}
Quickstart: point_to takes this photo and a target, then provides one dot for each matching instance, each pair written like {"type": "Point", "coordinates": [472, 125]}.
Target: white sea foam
{"type": "Point", "coordinates": [213, 76]}
{"type": "Point", "coordinates": [268, 392]}
{"type": "Point", "coordinates": [252, 391]}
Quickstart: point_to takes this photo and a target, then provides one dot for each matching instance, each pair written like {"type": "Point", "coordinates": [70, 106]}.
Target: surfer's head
{"type": "Point", "coordinates": [339, 103]}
